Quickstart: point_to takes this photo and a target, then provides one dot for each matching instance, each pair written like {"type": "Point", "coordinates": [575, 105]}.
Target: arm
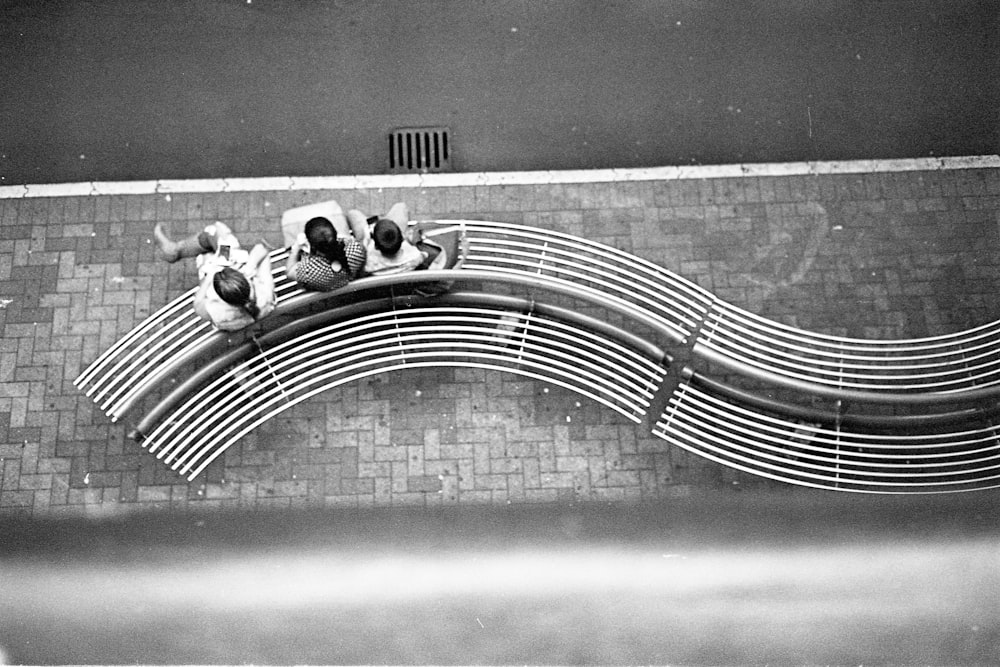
{"type": "Point", "coordinates": [400, 214]}
{"type": "Point", "coordinates": [264, 287]}
{"type": "Point", "coordinates": [201, 296]}
{"type": "Point", "coordinates": [356, 256]}
{"type": "Point", "coordinates": [257, 255]}
{"type": "Point", "coordinates": [292, 263]}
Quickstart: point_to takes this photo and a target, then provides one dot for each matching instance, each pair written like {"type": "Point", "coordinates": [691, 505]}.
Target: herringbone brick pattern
{"type": "Point", "coordinates": [897, 254]}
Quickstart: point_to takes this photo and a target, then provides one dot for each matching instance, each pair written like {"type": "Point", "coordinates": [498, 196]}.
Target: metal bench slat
{"type": "Point", "coordinates": [771, 429]}
{"type": "Point", "coordinates": [807, 380]}
{"type": "Point", "coordinates": [634, 262]}
{"type": "Point", "coordinates": [937, 460]}
{"type": "Point", "coordinates": [135, 334]}
{"type": "Point", "coordinates": [963, 371]}
{"type": "Point", "coordinates": [728, 329]}
{"type": "Point", "coordinates": [840, 479]}
{"type": "Point", "coordinates": [838, 342]}
{"type": "Point", "coordinates": [273, 398]}
{"type": "Point", "coordinates": [503, 250]}
{"type": "Point", "coordinates": [678, 318]}
{"type": "Point", "coordinates": [353, 347]}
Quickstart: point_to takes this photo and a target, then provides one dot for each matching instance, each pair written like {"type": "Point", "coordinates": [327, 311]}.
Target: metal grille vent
{"type": "Point", "coordinates": [420, 149]}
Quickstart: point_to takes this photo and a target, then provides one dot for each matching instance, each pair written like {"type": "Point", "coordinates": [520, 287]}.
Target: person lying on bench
{"type": "Point", "coordinates": [236, 287]}
{"type": "Point", "coordinates": [385, 242]}
{"type": "Point", "coordinates": [320, 261]}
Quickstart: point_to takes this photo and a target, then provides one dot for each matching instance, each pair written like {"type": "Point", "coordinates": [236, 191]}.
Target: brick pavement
{"type": "Point", "coordinates": [877, 253]}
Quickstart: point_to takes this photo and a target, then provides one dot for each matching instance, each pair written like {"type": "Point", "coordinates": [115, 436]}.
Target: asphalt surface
{"type": "Point", "coordinates": [139, 89]}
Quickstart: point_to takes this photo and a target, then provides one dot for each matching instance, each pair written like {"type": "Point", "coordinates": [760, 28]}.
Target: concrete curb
{"type": "Point", "coordinates": [361, 182]}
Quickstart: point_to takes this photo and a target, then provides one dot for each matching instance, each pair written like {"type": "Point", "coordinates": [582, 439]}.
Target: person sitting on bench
{"type": "Point", "coordinates": [320, 261]}
{"type": "Point", "coordinates": [384, 238]}
{"type": "Point", "coordinates": [236, 287]}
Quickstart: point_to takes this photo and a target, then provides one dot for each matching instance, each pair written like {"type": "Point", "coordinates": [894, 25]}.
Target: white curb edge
{"type": "Point", "coordinates": [269, 184]}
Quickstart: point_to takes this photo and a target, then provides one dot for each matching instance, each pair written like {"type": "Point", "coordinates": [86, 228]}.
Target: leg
{"type": "Point", "coordinates": [400, 214]}
{"type": "Point", "coordinates": [257, 255]}
{"type": "Point", "coordinates": [359, 225]}
{"type": "Point", "coordinates": [192, 246]}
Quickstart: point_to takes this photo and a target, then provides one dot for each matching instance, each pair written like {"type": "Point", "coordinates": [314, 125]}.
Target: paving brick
{"type": "Point", "coordinates": [429, 484]}
{"type": "Point", "coordinates": [35, 481]}
{"type": "Point", "coordinates": [25, 499]}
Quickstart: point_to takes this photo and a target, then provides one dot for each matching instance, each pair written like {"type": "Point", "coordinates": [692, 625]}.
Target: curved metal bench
{"type": "Point", "coordinates": [963, 366]}
{"type": "Point", "coordinates": [929, 453]}
{"type": "Point", "coordinates": [252, 383]}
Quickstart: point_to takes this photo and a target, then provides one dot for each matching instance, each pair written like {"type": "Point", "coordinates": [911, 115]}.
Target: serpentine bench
{"type": "Point", "coordinates": [943, 451]}
{"type": "Point", "coordinates": [253, 382]}
{"type": "Point", "coordinates": [927, 376]}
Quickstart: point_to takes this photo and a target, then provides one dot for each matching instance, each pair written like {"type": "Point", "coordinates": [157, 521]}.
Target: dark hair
{"type": "Point", "coordinates": [234, 288]}
{"type": "Point", "coordinates": [387, 237]}
{"type": "Point", "coordinates": [323, 241]}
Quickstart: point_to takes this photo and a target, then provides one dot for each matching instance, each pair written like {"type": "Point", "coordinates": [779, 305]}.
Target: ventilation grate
{"type": "Point", "coordinates": [420, 149]}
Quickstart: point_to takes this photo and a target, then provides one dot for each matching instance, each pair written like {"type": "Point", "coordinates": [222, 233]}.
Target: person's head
{"type": "Point", "coordinates": [387, 237]}
{"type": "Point", "coordinates": [323, 241]}
{"type": "Point", "coordinates": [234, 288]}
